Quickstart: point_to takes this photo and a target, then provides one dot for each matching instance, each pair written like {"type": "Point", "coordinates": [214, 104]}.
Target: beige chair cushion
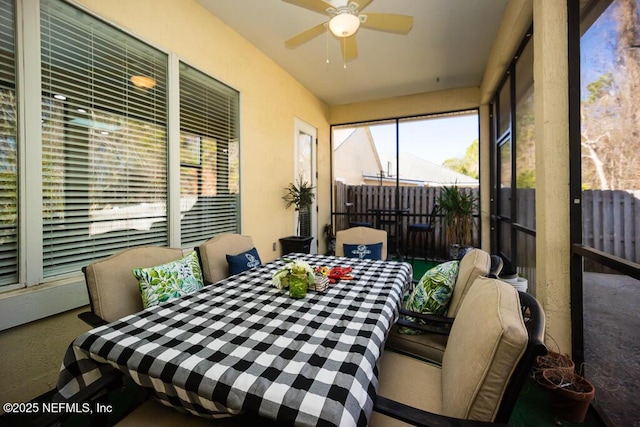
{"type": "Point", "coordinates": [113, 289]}
{"type": "Point", "coordinates": [487, 339]}
{"type": "Point", "coordinates": [431, 346]}
{"type": "Point", "coordinates": [473, 264]}
{"type": "Point", "coordinates": [213, 254]}
{"type": "Point", "coordinates": [361, 235]}
{"type": "Point", "coordinates": [410, 381]}
{"type": "Point", "coordinates": [427, 345]}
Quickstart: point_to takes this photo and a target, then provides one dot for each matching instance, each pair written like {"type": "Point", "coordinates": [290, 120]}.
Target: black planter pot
{"type": "Point", "coordinates": [299, 244]}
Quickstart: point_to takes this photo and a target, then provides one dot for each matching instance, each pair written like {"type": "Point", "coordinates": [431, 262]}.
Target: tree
{"type": "Point", "coordinates": [610, 115]}
{"type": "Point", "coordinates": [467, 165]}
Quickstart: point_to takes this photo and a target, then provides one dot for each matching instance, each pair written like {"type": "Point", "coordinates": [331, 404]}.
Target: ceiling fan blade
{"type": "Point", "coordinates": [389, 22]}
{"type": "Point", "coordinates": [305, 36]}
{"type": "Point", "coordinates": [315, 5]}
{"type": "Point", "coordinates": [362, 4]}
{"type": "Point", "coordinates": [349, 47]}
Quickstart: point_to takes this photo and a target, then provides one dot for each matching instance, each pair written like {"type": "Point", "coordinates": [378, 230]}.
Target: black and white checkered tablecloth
{"type": "Point", "coordinates": [243, 345]}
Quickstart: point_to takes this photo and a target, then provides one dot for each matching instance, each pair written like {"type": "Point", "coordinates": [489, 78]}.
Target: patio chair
{"type": "Point", "coordinates": [213, 254]}
{"type": "Point", "coordinates": [496, 266]}
{"type": "Point", "coordinates": [431, 343]}
{"type": "Point", "coordinates": [363, 236]}
{"type": "Point", "coordinates": [347, 207]}
{"type": "Point", "coordinates": [113, 289]}
{"type": "Point", "coordinates": [494, 340]}
{"type": "Point", "coordinates": [423, 230]}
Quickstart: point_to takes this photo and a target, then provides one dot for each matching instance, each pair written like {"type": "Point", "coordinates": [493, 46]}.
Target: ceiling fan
{"type": "Point", "coordinates": [344, 22]}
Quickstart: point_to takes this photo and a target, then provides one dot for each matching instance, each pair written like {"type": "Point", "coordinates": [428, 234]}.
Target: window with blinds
{"type": "Point", "coordinates": [8, 147]}
{"type": "Point", "coordinates": [209, 157]}
{"type": "Point", "coordinates": [104, 143]}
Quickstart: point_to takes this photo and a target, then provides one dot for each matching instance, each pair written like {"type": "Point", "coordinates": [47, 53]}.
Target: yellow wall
{"type": "Point", "coordinates": [403, 106]}
{"type": "Point", "coordinates": [269, 98]}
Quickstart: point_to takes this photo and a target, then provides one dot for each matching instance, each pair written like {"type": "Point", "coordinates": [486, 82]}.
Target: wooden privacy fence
{"type": "Point", "coordinates": [611, 222]}
{"type": "Point", "coordinates": [610, 218]}
{"type": "Point", "coordinates": [419, 201]}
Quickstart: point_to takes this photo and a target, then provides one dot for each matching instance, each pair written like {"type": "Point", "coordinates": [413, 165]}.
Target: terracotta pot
{"type": "Point", "coordinates": [554, 360]}
{"type": "Point", "coordinates": [571, 394]}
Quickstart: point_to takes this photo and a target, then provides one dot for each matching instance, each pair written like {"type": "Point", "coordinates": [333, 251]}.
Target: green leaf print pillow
{"type": "Point", "coordinates": [432, 293]}
{"type": "Point", "coordinates": [169, 281]}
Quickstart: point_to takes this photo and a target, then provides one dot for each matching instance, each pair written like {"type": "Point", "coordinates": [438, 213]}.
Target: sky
{"type": "Point", "coordinates": [436, 139]}
{"type": "Point", "coordinates": [597, 49]}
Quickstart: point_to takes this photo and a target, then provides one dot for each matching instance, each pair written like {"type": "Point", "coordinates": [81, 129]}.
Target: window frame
{"type": "Point", "coordinates": [26, 300]}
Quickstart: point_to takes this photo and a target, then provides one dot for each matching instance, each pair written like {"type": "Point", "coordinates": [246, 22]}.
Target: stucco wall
{"type": "Point", "coordinates": [403, 106]}
{"type": "Point", "coordinates": [269, 100]}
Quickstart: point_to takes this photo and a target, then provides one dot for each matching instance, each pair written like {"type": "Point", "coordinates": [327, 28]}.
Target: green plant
{"type": "Point", "coordinates": [300, 195]}
{"type": "Point", "coordinates": [457, 207]}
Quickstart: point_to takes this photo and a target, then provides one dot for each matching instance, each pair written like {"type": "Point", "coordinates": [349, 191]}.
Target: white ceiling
{"type": "Point", "coordinates": [447, 47]}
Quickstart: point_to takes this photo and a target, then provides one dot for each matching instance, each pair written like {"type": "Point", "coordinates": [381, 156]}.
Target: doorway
{"type": "Point", "coordinates": [305, 143]}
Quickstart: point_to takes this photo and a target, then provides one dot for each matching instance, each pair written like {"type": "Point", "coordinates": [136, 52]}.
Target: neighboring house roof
{"type": "Point", "coordinates": [356, 160]}
{"type": "Point", "coordinates": [416, 169]}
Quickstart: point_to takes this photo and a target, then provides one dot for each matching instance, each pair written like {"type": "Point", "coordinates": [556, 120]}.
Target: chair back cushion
{"type": "Point", "coordinates": [213, 254]}
{"type": "Point", "coordinates": [361, 251]}
{"type": "Point", "coordinates": [473, 264]}
{"type": "Point", "coordinates": [361, 236]}
{"type": "Point", "coordinates": [113, 289]}
{"type": "Point", "coordinates": [243, 261]}
{"type": "Point", "coordinates": [486, 342]}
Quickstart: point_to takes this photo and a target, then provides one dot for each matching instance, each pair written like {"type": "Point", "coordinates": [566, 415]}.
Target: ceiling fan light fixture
{"type": "Point", "coordinates": [344, 24]}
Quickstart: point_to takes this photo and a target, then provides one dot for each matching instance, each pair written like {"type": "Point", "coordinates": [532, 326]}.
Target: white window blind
{"type": "Point", "coordinates": [8, 148]}
{"type": "Point", "coordinates": [209, 157]}
{"type": "Point", "coordinates": [104, 154]}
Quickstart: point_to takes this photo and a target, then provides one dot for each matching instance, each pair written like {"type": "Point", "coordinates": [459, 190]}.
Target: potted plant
{"type": "Point", "coordinates": [571, 394]}
{"type": "Point", "coordinates": [299, 195]}
{"type": "Point", "coordinates": [457, 207]}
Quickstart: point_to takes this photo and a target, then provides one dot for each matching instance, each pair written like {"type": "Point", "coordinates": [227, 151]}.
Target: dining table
{"type": "Point", "coordinates": [242, 345]}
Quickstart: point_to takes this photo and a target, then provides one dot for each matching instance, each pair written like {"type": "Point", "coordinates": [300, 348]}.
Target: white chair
{"type": "Point", "coordinates": [362, 236]}
{"type": "Point", "coordinates": [213, 254]}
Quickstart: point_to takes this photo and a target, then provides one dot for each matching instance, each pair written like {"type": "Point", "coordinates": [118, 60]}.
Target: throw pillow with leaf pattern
{"type": "Point", "coordinates": [432, 293]}
{"type": "Point", "coordinates": [169, 281]}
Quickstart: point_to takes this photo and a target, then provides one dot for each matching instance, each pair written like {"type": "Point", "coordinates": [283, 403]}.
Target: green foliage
{"type": "Point", "coordinates": [599, 88]}
{"type": "Point", "coordinates": [299, 194]}
{"type": "Point", "coordinates": [526, 179]}
{"type": "Point", "coordinates": [458, 208]}
{"type": "Point", "coordinates": [467, 165]}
